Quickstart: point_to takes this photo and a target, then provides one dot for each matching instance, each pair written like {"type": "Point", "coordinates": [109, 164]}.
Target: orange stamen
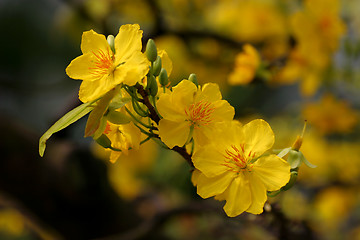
{"type": "Point", "coordinates": [102, 64]}
{"type": "Point", "coordinates": [200, 113]}
{"type": "Point", "coordinates": [236, 160]}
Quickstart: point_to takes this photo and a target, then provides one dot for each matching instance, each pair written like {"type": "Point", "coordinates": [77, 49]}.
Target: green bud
{"type": "Point", "coordinates": [193, 79]}
{"type": "Point", "coordinates": [151, 51]}
{"type": "Point", "coordinates": [163, 77]}
{"type": "Point", "coordinates": [110, 39]}
{"type": "Point", "coordinates": [118, 117]}
{"type": "Point", "coordinates": [153, 87]}
{"type": "Point", "coordinates": [104, 141]}
{"type": "Point", "coordinates": [157, 66]}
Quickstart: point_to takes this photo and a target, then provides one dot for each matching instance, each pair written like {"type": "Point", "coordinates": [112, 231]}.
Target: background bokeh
{"type": "Point", "coordinates": [303, 65]}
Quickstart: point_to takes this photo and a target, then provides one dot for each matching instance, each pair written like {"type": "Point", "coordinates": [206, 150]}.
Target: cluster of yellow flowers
{"type": "Point", "coordinates": [130, 101]}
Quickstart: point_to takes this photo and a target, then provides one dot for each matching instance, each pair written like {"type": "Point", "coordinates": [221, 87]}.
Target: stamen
{"type": "Point", "coordinates": [102, 64]}
{"type": "Point", "coordinates": [235, 159]}
{"type": "Point", "coordinates": [200, 113]}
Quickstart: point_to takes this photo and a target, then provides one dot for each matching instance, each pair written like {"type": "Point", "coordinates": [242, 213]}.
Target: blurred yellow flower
{"type": "Point", "coordinates": [125, 174]}
{"type": "Point", "coordinates": [233, 168]}
{"type": "Point", "coordinates": [101, 69]}
{"type": "Point", "coordinates": [246, 64]}
{"type": "Point", "coordinates": [331, 207]}
{"type": "Point", "coordinates": [317, 31]}
{"type": "Point", "coordinates": [190, 110]}
{"type": "Point", "coordinates": [123, 138]}
{"type": "Point", "coordinates": [11, 222]}
{"type": "Point", "coordinates": [255, 21]}
{"type": "Point", "coordinates": [330, 115]}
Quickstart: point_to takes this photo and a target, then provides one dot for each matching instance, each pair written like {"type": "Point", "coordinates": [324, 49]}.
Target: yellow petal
{"type": "Point", "coordinates": [137, 67]}
{"type": "Point", "coordinates": [258, 194]}
{"type": "Point", "coordinates": [273, 171]}
{"type": "Point", "coordinates": [183, 93]}
{"type": "Point", "coordinates": [209, 161]}
{"type": "Point", "coordinates": [195, 176]}
{"type": "Point", "coordinates": [79, 68]}
{"type": "Point", "coordinates": [223, 111]}
{"type": "Point", "coordinates": [173, 133]}
{"type": "Point", "coordinates": [90, 91]}
{"type": "Point", "coordinates": [210, 92]}
{"type": "Point", "coordinates": [166, 61]}
{"type": "Point", "coordinates": [258, 137]}
{"type": "Point", "coordinates": [170, 110]}
{"type": "Point", "coordinates": [208, 187]}
{"type": "Point", "coordinates": [238, 196]}
{"type": "Point", "coordinates": [93, 41]}
{"type": "Point", "coordinates": [127, 42]}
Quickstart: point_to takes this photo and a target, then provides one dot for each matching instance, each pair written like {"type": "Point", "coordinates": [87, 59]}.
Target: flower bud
{"type": "Point", "coordinates": [151, 51]}
{"type": "Point", "coordinates": [163, 77]}
{"type": "Point", "coordinates": [104, 141]}
{"type": "Point", "coordinates": [193, 79]}
{"type": "Point", "coordinates": [153, 87]}
{"type": "Point", "coordinates": [110, 39]}
{"type": "Point", "coordinates": [157, 66]}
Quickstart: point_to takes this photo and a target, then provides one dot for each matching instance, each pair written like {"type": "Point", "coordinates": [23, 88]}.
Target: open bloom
{"type": "Point", "coordinates": [101, 69]}
{"type": "Point", "coordinates": [190, 111]}
{"type": "Point", "coordinates": [233, 167]}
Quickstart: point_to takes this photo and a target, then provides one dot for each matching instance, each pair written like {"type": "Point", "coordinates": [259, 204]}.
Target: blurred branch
{"type": "Point", "coordinates": [150, 226]}
{"type": "Point", "coordinates": [31, 221]}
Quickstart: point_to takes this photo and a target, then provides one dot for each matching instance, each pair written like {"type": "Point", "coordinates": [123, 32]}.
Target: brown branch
{"type": "Point", "coordinates": [155, 117]}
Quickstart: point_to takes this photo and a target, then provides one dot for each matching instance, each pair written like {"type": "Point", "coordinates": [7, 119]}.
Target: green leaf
{"type": "Point", "coordinates": [94, 120]}
{"type": "Point", "coordinates": [63, 122]}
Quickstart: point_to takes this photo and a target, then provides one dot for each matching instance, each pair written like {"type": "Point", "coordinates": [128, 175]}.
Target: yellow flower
{"type": "Point", "coordinates": [233, 167]}
{"type": "Point", "coordinates": [331, 115]}
{"type": "Point", "coordinates": [190, 109]}
{"type": "Point", "coordinates": [101, 69]}
{"type": "Point", "coordinates": [123, 137]}
{"type": "Point", "coordinates": [246, 64]}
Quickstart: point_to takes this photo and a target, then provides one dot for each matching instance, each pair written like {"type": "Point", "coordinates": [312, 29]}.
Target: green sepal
{"type": "Point", "coordinates": [117, 117]}
{"type": "Point", "coordinates": [292, 180]}
{"type": "Point", "coordinates": [307, 163]}
{"type": "Point", "coordinates": [282, 152]}
{"type": "Point", "coordinates": [294, 158]}
{"type": "Point", "coordinates": [104, 141]}
{"type": "Point", "coordinates": [63, 122]}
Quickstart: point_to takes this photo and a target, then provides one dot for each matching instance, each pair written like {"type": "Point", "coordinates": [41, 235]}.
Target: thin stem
{"type": "Point", "coordinates": [137, 120]}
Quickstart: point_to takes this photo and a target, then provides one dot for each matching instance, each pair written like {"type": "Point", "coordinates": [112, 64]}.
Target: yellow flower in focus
{"type": "Point", "coordinates": [246, 64]}
{"type": "Point", "coordinates": [233, 168]}
{"type": "Point", "coordinates": [330, 115]}
{"type": "Point", "coordinates": [190, 110]}
{"type": "Point", "coordinates": [123, 137]}
{"type": "Point", "coordinates": [101, 69]}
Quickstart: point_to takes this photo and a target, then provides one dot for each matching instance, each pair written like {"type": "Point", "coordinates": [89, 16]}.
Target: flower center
{"type": "Point", "coordinates": [103, 63]}
{"type": "Point", "coordinates": [200, 113]}
{"type": "Point", "coordinates": [236, 160]}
